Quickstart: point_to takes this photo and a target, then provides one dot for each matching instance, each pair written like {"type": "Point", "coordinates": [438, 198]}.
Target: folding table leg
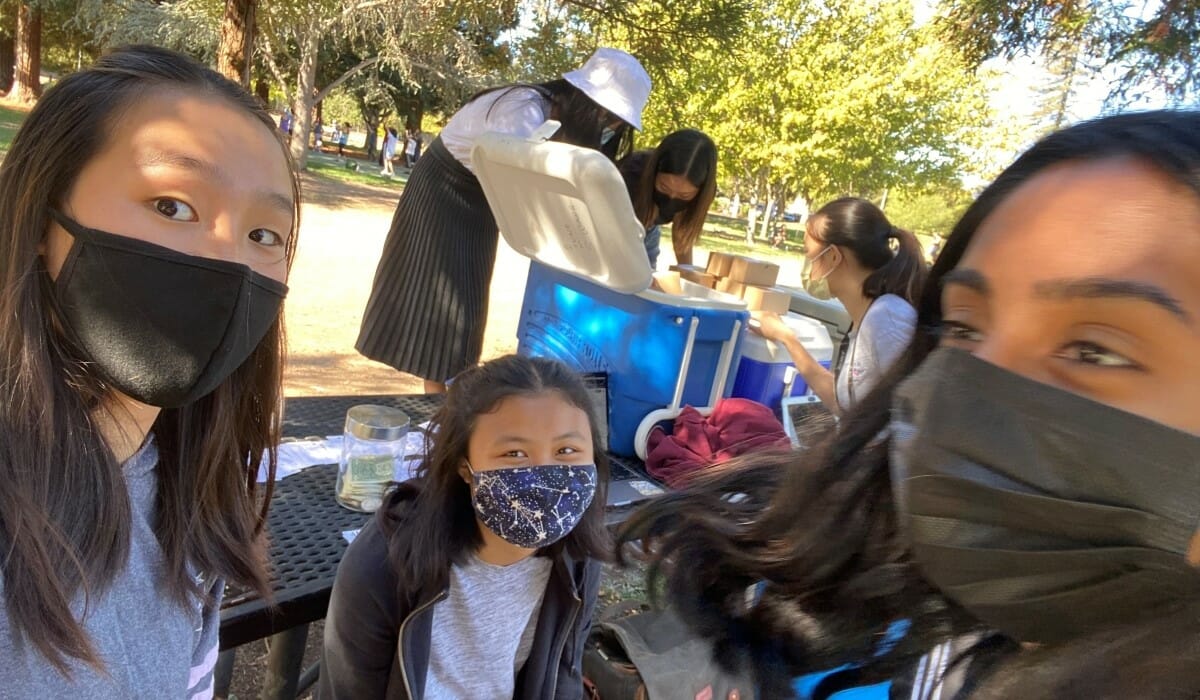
{"type": "Point", "coordinates": [285, 661]}
{"type": "Point", "coordinates": [223, 673]}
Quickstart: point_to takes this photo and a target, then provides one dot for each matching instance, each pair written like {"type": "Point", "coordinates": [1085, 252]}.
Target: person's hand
{"type": "Point", "coordinates": [769, 325]}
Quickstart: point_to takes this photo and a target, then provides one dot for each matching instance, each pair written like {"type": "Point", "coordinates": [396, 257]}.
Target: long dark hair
{"type": "Point", "coordinates": [64, 508]}
{"type": "Point", "coordinates": [819, 527]}
{"type": "Point", "coordinates": [583, 120]}
{"type": "Point", "coordinates": [693, 155]}
{"type": "Point", "coordinates": [430, 523]}
{"type": "Point", "coordinates": [862, 228]}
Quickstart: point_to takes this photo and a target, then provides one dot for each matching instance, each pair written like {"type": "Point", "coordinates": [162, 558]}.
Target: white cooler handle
{"type": "Point", "coordinates": [641, 438]}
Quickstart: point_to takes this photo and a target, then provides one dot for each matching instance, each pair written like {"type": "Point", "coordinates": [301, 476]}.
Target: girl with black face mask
{"type": "Point", "coordinates": [478, 579]}
{"type": "Point", "coordinates": [150, 213]}
{"type": "Point", "coordinates": [673, 184]}
{"type": "Point", "coordinates": [1024, 482]}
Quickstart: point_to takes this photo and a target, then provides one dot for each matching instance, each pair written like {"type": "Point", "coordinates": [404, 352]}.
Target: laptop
{"type": "Point", "coordinates": [806, 420]}
{"type": "Point", "coordinates": [628, 485]}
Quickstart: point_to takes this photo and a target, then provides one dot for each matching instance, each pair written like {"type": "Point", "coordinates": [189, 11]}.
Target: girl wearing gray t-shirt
{"type": "Point", "coordinates": [149, 214]}
{"type": "Point", "coordinates": [478, 578]}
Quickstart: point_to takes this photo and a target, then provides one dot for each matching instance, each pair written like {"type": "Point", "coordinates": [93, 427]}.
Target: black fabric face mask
{"type": "Point", "coordinates": [163, 327]}
{"type": "Point", "coordinates": [668, 207]}
{"type": "Point", "coordinates": [1045, 514]}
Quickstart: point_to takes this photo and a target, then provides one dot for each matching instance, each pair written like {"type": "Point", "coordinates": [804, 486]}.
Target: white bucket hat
{"type": "Point", "coordinates": [615, 81]}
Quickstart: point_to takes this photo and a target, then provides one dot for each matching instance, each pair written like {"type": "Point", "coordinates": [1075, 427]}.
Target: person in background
{"type": "Point", "coordinates": [479, 578]}
{"type": "Point", "coordinates": [343, 138]}
{"type": "Point", "coordinates": [848, 256]}
{"type": "Point", "coordinates": [150, 214]}
{"type": "Point", "coordinates": [1024, 483]}
{"type": "Point", "coordinates": [673, 184]}
{"type": "Point", "coordinates": [428, 304]}
{"type": "Point", "coordinates": [389, 152]}
{"type": "Point", "coordinates": [410, 148]}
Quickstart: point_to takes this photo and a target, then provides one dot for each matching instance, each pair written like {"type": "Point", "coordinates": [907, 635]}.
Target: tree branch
{"type": "Point", "coordinates": [344, 77]}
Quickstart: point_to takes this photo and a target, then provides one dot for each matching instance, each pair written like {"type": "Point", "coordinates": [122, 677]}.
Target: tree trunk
{"type": "Point", "coordinates": [262, 90]}
{"type": "Point", "coordinates": [27, 81]}
{"type": "Point", "coordinates": [306, 81]}
{"type": "Point", "coordinates": [8, 62]}
{"type": "Point", "coordinates": [237, 41]}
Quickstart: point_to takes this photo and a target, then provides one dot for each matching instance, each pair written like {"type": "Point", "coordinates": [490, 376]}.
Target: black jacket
{"type": "Point", "coordinates": [377, 646]}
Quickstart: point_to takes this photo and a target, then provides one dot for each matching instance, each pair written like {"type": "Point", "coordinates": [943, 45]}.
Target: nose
{"type": "Point", "coordinates": [220, 242]}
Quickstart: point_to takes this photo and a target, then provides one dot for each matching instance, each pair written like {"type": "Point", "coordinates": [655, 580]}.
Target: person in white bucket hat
{"type": "Point", "coordinates": [428, 304]}
{"type": "Point", "coordinates": [615, 81]}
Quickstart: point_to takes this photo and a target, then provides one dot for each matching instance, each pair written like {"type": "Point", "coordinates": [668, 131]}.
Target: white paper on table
{"type": "Point", "coordinates": [298, 455]}
{"type": "Point", "coordinates": [349, 535]}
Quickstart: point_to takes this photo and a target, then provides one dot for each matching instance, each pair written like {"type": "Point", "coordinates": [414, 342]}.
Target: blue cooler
{"type": "Point", "coordinates": [651, 344]}
{"type": "Point", "coordinates": [588, 300]}
{"type": "Point", "coordinates": [766, 374]}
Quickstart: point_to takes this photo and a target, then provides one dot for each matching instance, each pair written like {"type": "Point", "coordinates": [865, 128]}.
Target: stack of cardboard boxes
{"type": "Point", "coordinates": [746, 278]}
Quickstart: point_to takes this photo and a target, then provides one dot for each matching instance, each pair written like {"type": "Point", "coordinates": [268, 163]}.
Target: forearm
{"type": "Point", "coordinates": [820, 380]}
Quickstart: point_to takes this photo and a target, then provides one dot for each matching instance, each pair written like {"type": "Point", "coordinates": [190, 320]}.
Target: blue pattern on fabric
{"type": "Point", "coordinates": [534, 506]}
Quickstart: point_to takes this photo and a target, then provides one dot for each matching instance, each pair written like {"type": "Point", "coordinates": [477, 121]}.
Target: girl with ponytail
{"type": "Point", "coordinates": [849, 256]}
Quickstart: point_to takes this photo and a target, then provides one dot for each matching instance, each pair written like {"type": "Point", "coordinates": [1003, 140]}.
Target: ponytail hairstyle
{"type": "Point", "coordinates": [818, 528]}
{"type": "Point", "coordinates": [860, 227]}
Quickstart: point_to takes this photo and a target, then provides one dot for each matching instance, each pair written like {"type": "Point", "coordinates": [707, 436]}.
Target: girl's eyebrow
{"type": "Point", "coordinates": [507, 439]}
{"type": "Point", "coordinates": [211, 171]}
{"type": "Point", "coordinates": [1109, 288]}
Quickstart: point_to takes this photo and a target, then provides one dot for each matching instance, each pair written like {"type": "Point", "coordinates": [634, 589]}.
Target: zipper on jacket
{"type": "Point", "coordinates": [400, 651]}
{"type": "Point", "coordinates": [563, 643]}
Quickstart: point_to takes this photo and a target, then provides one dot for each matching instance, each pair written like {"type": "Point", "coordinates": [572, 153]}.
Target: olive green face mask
{"type": "Point", "coordinates": [818, 288]}
{"type": "Point", "coordinates": [1043, 513]}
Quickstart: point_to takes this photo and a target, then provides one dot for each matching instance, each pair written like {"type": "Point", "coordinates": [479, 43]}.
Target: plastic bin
{"type": "Point", "coordinates": [651, 345]}
{"type": "Point", "coordinates": [766, 374]}
{"type": "Point", "coordinates": [828, 311]}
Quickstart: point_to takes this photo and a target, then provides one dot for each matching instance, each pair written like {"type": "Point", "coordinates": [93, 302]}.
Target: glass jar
{"type": "Point", "coordinates": [372, 452]}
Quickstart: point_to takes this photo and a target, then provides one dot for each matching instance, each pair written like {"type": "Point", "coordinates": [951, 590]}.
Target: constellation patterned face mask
{"type": "Point", "coordinates": [533, 507]}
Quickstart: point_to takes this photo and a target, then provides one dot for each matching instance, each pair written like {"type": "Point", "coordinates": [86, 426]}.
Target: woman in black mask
{"type": "Point", "coordinates": [1024, 483]}
{"type": "Point", "coordinates": [673, 184]}
{"type": "Point", "coordinates": [149, 216]}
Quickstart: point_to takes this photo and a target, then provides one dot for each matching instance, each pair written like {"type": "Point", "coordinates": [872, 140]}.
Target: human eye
{"type": "Point", "coordinates": [266, 237]}
{"type": "Point", "coordinates": [514, 454]}
{"type": "Point", "coordinates": [174, 209]}
{"type": "Point", "coordinates": [958, 334]}
{"type": "Point", "coordinates": [567, 451]}
{"type": "Point", "coordinates": [1088, 353]}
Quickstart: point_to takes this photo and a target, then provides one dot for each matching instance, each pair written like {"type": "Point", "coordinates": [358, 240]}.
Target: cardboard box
{"type": "Point", "coordinates": [767, 299]}
{"type": "Point", "coordinates": [730, 286]}
{"type": "Point", "coordinates": [751, 271]}
{"type": "Point", "coordinates": [719, 264]}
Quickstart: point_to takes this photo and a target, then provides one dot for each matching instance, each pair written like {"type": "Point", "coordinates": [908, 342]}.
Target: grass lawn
{"type": "Point", "coordinates": [10, 121]}
{"type": "Point", "coordinates": [367, 173]}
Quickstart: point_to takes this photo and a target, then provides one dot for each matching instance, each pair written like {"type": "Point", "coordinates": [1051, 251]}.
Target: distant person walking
{"type": "Point", "coordinates": [389, 152]}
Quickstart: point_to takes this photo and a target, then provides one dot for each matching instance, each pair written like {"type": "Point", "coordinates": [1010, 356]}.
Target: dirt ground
{"type": "Point", "coordinates": [343, 227]}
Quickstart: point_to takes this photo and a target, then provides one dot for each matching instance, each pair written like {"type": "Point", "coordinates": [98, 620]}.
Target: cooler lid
{"type": "Point", "coordinates": [564, 206]}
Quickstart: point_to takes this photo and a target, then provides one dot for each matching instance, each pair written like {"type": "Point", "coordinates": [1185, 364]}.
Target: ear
{"type": "Point", "coordinates": [465, 472]}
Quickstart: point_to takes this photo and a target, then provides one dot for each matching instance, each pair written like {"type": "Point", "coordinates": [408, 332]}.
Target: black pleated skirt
{"type": "Point", "coordinates": [428, 304]}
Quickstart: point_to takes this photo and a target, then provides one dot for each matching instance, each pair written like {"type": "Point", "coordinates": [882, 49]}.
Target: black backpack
{"type": "Point", "coordinates": [637, 653]}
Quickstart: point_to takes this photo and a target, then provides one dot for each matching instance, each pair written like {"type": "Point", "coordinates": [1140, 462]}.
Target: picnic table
{"type": "Point", "coordinates": [304, 527]}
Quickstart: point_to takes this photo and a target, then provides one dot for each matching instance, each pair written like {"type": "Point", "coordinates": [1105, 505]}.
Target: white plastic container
{"type": "Point", "coordinates": [766, 373]}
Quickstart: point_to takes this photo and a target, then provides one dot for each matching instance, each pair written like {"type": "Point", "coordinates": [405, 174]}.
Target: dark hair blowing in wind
{"type": "Point", "coordinates": [820, 527]}
{"type": "Point", "coordinates": [64, 508]}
